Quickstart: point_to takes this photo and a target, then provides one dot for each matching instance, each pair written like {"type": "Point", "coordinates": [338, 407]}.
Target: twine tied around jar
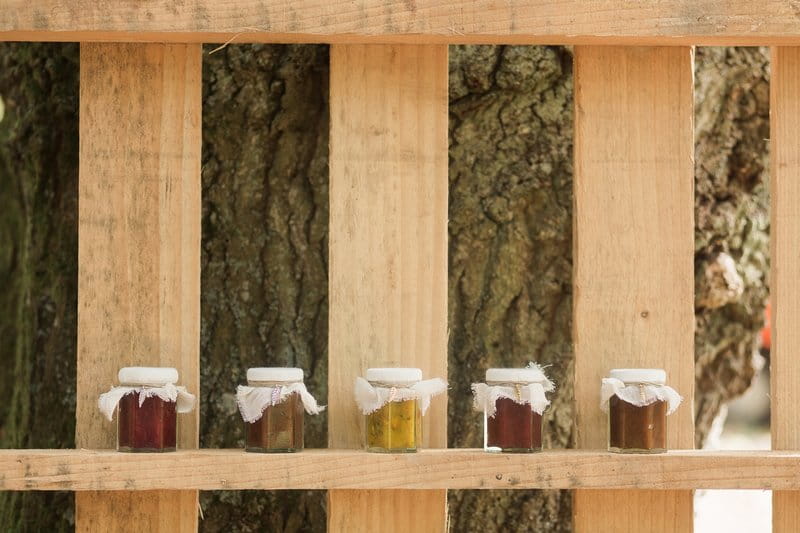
{"type": "Point", "coordinates": [276, 394]}
{"type": "Point", "coordinates": [532, 392]}
{"type": "Point", "coordinates": [108, 401]}
{"type": "Point", "coordinates": [371, 397]}
{"type": "Point", "coordinates": [253, 399]}
{"type": "Point", "coordinates": [638, 394]}
{"type": "Point", "coordinates": [518, 391]}
{"type": "Point", "coordinates": [485, 396]}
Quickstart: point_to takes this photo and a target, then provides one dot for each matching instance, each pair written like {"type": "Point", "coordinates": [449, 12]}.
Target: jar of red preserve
{"type": "Point", "coordinates": [513, 401]}
{"type": "Point", "coordinates": [148, 402]}
{"type": "Point", "coordinates": [272, 405]}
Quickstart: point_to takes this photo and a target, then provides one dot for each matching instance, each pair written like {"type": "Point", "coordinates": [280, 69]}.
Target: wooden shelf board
{"type": "Point", "coordinates": [667, 22]}
{"type": "Point", "coordinates": [80, 470]}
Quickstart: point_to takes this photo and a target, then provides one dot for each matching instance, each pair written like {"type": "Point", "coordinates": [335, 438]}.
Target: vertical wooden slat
{"type": "Point", "coordinates": [633, 253]}
{"type": "Point", "coordinates": [388, 254]}
{"type": "Point", "coordinates": [139, 252]}
{"type": "Point", "coordinates": [785, 271]}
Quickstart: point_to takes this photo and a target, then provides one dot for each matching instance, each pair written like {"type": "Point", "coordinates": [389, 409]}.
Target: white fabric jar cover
{"type": "Point", "coordinates": [253, 400]}
{"type": "Point", "coordinates": [407, 384]}
{"type": "Point", "coordinates": [149, 382]}
{"type": "Point", "coordinates": [639, 387]}
{"type": "Point", "coordinates": [531, 386]}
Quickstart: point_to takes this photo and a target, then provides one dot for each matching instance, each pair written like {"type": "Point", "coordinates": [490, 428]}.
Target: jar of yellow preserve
{"type": "Point", "coordinates": [394, 400]}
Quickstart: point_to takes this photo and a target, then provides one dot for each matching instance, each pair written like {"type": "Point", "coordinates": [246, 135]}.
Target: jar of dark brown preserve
{"type": "Point", "coordinates": [280, 426]}
{"type": "Point", "coordinates": [637, 410]}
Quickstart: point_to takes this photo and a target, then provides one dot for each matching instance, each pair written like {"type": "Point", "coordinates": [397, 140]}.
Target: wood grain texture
{"type": "Point", "coordinates": [633, 253]}
{"type": "Point", "coordinates": [139, 248]}
{"type": "Point", "coordinates": [387, 511]}
{"type": "Point", "coordinates": [388, 249]}
{"type": "Point", "coordinates": [122, 512]}
{"type": "Point", "coordinates": [89, 470]}
{"type": "Point", "coordinates": [785, 270]}
{"type": "Point", "coordinates": [623, 511]}
{"type": "Point", "coordinates": [671, 22]}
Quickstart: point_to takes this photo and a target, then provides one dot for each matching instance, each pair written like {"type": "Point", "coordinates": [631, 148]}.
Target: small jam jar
{"type": "Point", "coordinates": [146, 424]}
{"type": "Point", "coordinates": [515, 427]}
{"type": "Point", "coordinates": [637, 418]}
{"type": "Point", "coordinates": [396, 427]}
{"type": "Point", "coordinates": [280, 428]}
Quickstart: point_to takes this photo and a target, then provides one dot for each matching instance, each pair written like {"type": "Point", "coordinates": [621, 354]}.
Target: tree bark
{"type": "Point", "coordinates": [510, 254]}
{"type": "Point", "coordinates": [38, 266]}
{"type": "Point", "coordinates": [731, 222]}
{"type": "Point", "coordinates": [264, 251]}
{"type": "Point", "coordinates": [265, 254]}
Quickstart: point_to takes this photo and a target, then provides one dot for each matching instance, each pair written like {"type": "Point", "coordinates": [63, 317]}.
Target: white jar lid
{"type": "Point", "coordinates": [147, 375]}
{"type": "Point", "coordinates": [657, 376]}
{"type": "Point", "coordinates": [515, 375]}
{"type": "Point", "coordinates": [394, 375]}
{"type": "Point", "coordinates": [274, 374]}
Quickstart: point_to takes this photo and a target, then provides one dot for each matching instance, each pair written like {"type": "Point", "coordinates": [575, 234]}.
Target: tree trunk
{"type": "Point", "coordinates": [731, 222]}
{"type": "Point", "coordinates": [510, 254]}
{"type": "Point", "coordinates": [38, 266]}
{"type": "Point", "coordinates": [264, 262]}
{"type": "Point", "coordinates": [265, 254]}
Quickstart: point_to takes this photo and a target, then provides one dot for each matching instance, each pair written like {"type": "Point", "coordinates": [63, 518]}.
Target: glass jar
{"type": "Point", "coordinates": [515, 426]}
{"type": "Point", "coordinates": [280, 427]}
{"type": "Point", "coordinates": [638, 424]}
{"type": "Point", "coordinates": [146, 422]}
{"type": "Point", "coordinates": [396, 427]}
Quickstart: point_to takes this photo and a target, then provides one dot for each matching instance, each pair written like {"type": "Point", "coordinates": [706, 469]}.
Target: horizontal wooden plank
{"type": "Point", "coordinates": [667, 22]}
{"type": "Point", "coordinates": [431, 469]}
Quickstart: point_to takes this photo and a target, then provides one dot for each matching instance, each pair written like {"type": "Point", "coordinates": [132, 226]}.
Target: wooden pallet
{"type": "Point", "coordinates": [139, 247]}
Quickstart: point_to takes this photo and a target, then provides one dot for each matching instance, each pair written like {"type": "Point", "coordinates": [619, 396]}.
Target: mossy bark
{"type": "Point", "coordinates": [731, 222]}
{"type": "Point", "coordinates": [510, 254]}
{"type": "Point", "coordinates": [264, 250]}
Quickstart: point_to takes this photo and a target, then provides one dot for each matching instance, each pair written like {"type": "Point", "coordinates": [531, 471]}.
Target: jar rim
{"type": "Point", "coordinates": [516, 375]}
{"type": "Point", "coordinates": [510, 383]}
{"type": "Point", "coordinates": [654, 376]}
{"type": "Point", "coordinates": [397, 384]}
{"type": "Point", "coordinates": [395, 375]}
{"type": "Point", "coordinates": [154, 376]}
{"type": "Point", "coordinates": [269, 383]}
{"type": "Point", "coordinates": [274, 373]}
